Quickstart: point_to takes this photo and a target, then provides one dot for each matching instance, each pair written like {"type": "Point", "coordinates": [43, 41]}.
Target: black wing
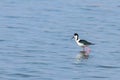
{"type": "Point", "coordinates": [86, 42]}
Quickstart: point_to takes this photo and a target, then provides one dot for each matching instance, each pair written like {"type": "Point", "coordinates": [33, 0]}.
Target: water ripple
{"type": "Point", "coordinates": [108, 66]}
{"type": "Point", "coordinates": [99, 77]}
{"type": "Point", "coordinates": [21, 75]}
{"type": "Point", "coordinates": [1, 40]}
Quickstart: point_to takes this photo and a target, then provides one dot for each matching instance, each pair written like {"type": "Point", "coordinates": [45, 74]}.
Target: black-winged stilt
{"type": "Point", "coordinates": [82, 43]}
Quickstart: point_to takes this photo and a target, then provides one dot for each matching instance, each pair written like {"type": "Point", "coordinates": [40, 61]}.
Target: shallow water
{"type": "Point", "coordinates": [35, 39]}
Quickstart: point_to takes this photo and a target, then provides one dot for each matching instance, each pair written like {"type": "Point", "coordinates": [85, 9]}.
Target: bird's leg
{"type": "Point", "coordinates": [87, 50]}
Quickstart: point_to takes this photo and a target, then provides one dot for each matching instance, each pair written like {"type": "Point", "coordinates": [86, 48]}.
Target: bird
{"type": "Point", "coordinates": [82, 43]}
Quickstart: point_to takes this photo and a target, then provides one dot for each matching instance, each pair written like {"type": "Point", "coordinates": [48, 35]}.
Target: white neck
{"type": "Point", "coordinates": [77, 41]}
{"type": "Point", "coordinates": [76, 38]}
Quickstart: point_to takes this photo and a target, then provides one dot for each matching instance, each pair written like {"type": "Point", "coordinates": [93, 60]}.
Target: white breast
{"type": "Point", "coordinates": [79, 44]}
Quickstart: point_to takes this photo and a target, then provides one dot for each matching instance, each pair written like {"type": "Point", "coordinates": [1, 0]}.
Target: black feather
{"type": "Point", "coordinates": [86, 42]}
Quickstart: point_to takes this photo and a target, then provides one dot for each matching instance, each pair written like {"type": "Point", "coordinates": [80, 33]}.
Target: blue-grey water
{"type": "Point", "coordinates": [36, 44]}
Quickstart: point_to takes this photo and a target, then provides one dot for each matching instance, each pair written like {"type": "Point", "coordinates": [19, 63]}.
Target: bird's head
{"type": "Point", "coordinates": [75, 36]}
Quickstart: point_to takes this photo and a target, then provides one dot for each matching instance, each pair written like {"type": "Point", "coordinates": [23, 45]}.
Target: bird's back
{"type": "Point", "coordinates": [86, 42]}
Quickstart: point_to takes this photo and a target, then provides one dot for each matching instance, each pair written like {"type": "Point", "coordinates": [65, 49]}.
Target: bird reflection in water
{"type": "Point", "coordinates": [82, 55]}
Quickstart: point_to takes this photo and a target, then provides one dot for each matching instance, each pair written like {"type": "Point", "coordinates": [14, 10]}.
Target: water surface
{"type": "Point", "coordinates": [35, 39]}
